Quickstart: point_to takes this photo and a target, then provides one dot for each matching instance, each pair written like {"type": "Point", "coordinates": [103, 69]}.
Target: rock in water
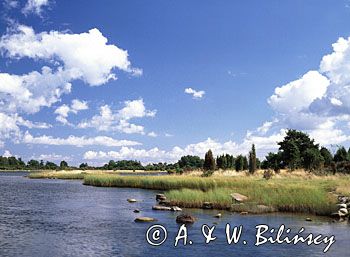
{"type": "Point", "coordinates": [342, 205]}
{"type": "Point", "coordinates": [175, 208]}
{"type": "Point", "coordinates": [145, 219]}
{"type": "Point", "coordinates": [185, 219]}
{"type": "Point", "coordinates": [164, 202]}
{"type": "Point", "coordinates": [161, 208]}
{"type": "Point", "coordinates": [207, 205]}
{"type": "Point", "coordinates": [137, 211]}
{"type": "Point", "coordinates": [132, 200]}
{"type": "Point", "coordinates": [218, 215]}
{"type": "Point", "coordinates": [308, 219]}
{"type": "Point", "coordinates": [160, 197]}
{"type": "Point", "coordinates": [239, 198]}
{"type": "Point", "coordinates": [343, 212]}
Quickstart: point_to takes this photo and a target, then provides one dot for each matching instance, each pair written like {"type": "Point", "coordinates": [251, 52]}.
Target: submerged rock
{"type": "Point", "coordinates": [132, 200]}
{"type": "Point", "coordinates": [137, 211]}
{"type": "Point", "coordinates": [185, 219]}
{"type": "Point", "coordinates": [161, 208]}
{"type": "Point", "coordinates": [145, 219]}
{"type": "Point", "coordinates": [239, 197]}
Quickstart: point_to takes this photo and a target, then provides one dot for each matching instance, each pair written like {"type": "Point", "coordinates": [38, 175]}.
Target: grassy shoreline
{"type": "Point", "coordinates": [297, 192]}
{"type": "Point", "coordinates": [285, 194]}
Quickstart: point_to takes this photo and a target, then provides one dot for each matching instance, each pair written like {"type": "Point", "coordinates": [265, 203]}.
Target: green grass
{"type": "Point", "coordinates": [284, 194]}
{"type": "Point", "coordinates": [56, 175]}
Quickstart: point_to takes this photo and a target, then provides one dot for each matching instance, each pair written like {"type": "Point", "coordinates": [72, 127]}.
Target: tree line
{"type": "Point", "coordinates": [296, 151]}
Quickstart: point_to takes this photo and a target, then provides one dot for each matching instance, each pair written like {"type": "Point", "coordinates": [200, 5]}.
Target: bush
{"type": "Point", "coordinates": [268, 174]}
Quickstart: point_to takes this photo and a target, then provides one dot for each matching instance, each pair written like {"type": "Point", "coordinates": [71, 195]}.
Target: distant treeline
{"type": "Point", "coordinates": [296, 151]}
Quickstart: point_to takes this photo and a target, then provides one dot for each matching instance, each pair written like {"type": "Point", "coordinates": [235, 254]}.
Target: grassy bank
{"type": "Point", "coordinates": [56, 175]}
{"type": "Point", "coordinates": [292, 194]}
{"type": "Point", "coordinates": [79, 174]}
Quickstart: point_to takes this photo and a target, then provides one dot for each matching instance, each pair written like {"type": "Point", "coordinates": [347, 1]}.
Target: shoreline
{"type": "Point", "coordinates": [290, 193]}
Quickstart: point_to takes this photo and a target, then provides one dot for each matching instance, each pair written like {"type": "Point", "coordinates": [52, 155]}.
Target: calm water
{"type": "Point", "coordinates": [64, 218]}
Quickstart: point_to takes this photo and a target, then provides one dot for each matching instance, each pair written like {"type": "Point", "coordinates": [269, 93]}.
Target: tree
{"type": "Point", "coordinates": [33, 164]}
{"type": "Point", "coordinates": [292, 155]}
{"type": "Point", "coordinates": [313, 159]}
{"type": "Point", "coordinates": [50, 166]}
{"type": "Point", "coordinates": [63, 165]}
{"type": "Point", "coordinates": [209, 161]}
{"type": "Point", "coordinates": [252, 160]}
{"type": "Point", "coordinates": [245, 163]}
{"type": "Point", "coordinates": [190, 162]}
{"type": "Point", "coordinates": [341, 155]}
{"type": "Point", "coordinates": [83, 166]}
{"type": "Point", "coordinates": [293, 148]}
{"type": "Point", "coordinates": [239, 163]}
{"type": "Point", "coordinates": [111, 165]}
{"type": "Point", "coordinates": [273, 161]}
{"type": "Point", "coordinates": [327, 156]}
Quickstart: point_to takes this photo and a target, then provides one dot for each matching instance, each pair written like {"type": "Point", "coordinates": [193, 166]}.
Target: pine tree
{"type": "Point", "coordinates": [252, 160]}
{"type": "Point", "coordinates": [209, 161]}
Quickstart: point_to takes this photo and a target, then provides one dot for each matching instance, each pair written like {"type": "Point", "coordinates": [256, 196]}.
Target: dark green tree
{"type": "Point", "coordinates": [209, 161]}
{"type": "Point", "coordinates": [252, 160]}
{"type": "Point", "coordinates": [293, 148]}
{"type": "Point", "coordinates": [313, 159]}
{"type": "Point", "coordinates": [327, 156]}
{"type": "Point", "coordinates": [63, 165]}
{"type": "Point", "coordinates": [33, 164]}
{"type": "Point", "coordinates": [273, 161]}
{"type": "Point", "coordinates": [190, 162]}
{"type": "Point", "coordinates": [83, 166]}
{"type": "Point", "coordinates": [239, 163]}
{"type": "Point", "coordinates": [245, 163]}
{"type": "Point", "coordinates": [341, 155]}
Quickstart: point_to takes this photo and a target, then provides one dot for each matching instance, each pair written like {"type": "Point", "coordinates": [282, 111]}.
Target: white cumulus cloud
{"type": "Point", "coordinates": [195, 94]}
{"type": "Point", "coordinates": [87, 55]}
{"type": "Point", "coordinates": [64, 110]}
{"type": "Point", "coordinates": [119, 120]}
{"type": "Point", "coordinates": [77, 141]}
{"type": "Point", "coordinates": [35, 6]}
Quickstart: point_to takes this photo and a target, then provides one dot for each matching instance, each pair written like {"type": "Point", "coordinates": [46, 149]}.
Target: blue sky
{"type": "Point", "coordinates": [250, 69]}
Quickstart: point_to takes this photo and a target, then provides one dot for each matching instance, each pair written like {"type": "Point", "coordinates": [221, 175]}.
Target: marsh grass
{"type": "Point", "coordinates": [288, 194]}
{"type": "Point", "coordinates": [56, 175]}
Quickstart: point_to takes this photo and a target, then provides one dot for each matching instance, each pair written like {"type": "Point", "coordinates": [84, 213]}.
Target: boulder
{"type": "Point", "coordinates": [145, 219]}
{"type": "Point", "coordinates": [164, 202]}
{"type": "Point", "coordinates": [244, 213]}
{"type": "Point", "coordinates": [308, 219]}
{"type": "Point", "coordinates": [160, 197]}
{"type": "Point", "coordinates": [207, 205]}
{"type": "Point", "coordinates": [185, 219]}
{"type": "Point", "coordinates": [218, 215]}
{"type": "Point", "coordinates": [161, 208]}
{"type": "Point", "coordinates": [175, 208]}
{"type": "Point", "coordinates": [343, 199]}
{"type": "Point", "coordinates": [236, 197]}
{"type": "Point", "coordinates": [132, 200]}
{"type": "Point", "coordinates": [342, 205]}
{"type": "Point", "coordinates": [343, 212]}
